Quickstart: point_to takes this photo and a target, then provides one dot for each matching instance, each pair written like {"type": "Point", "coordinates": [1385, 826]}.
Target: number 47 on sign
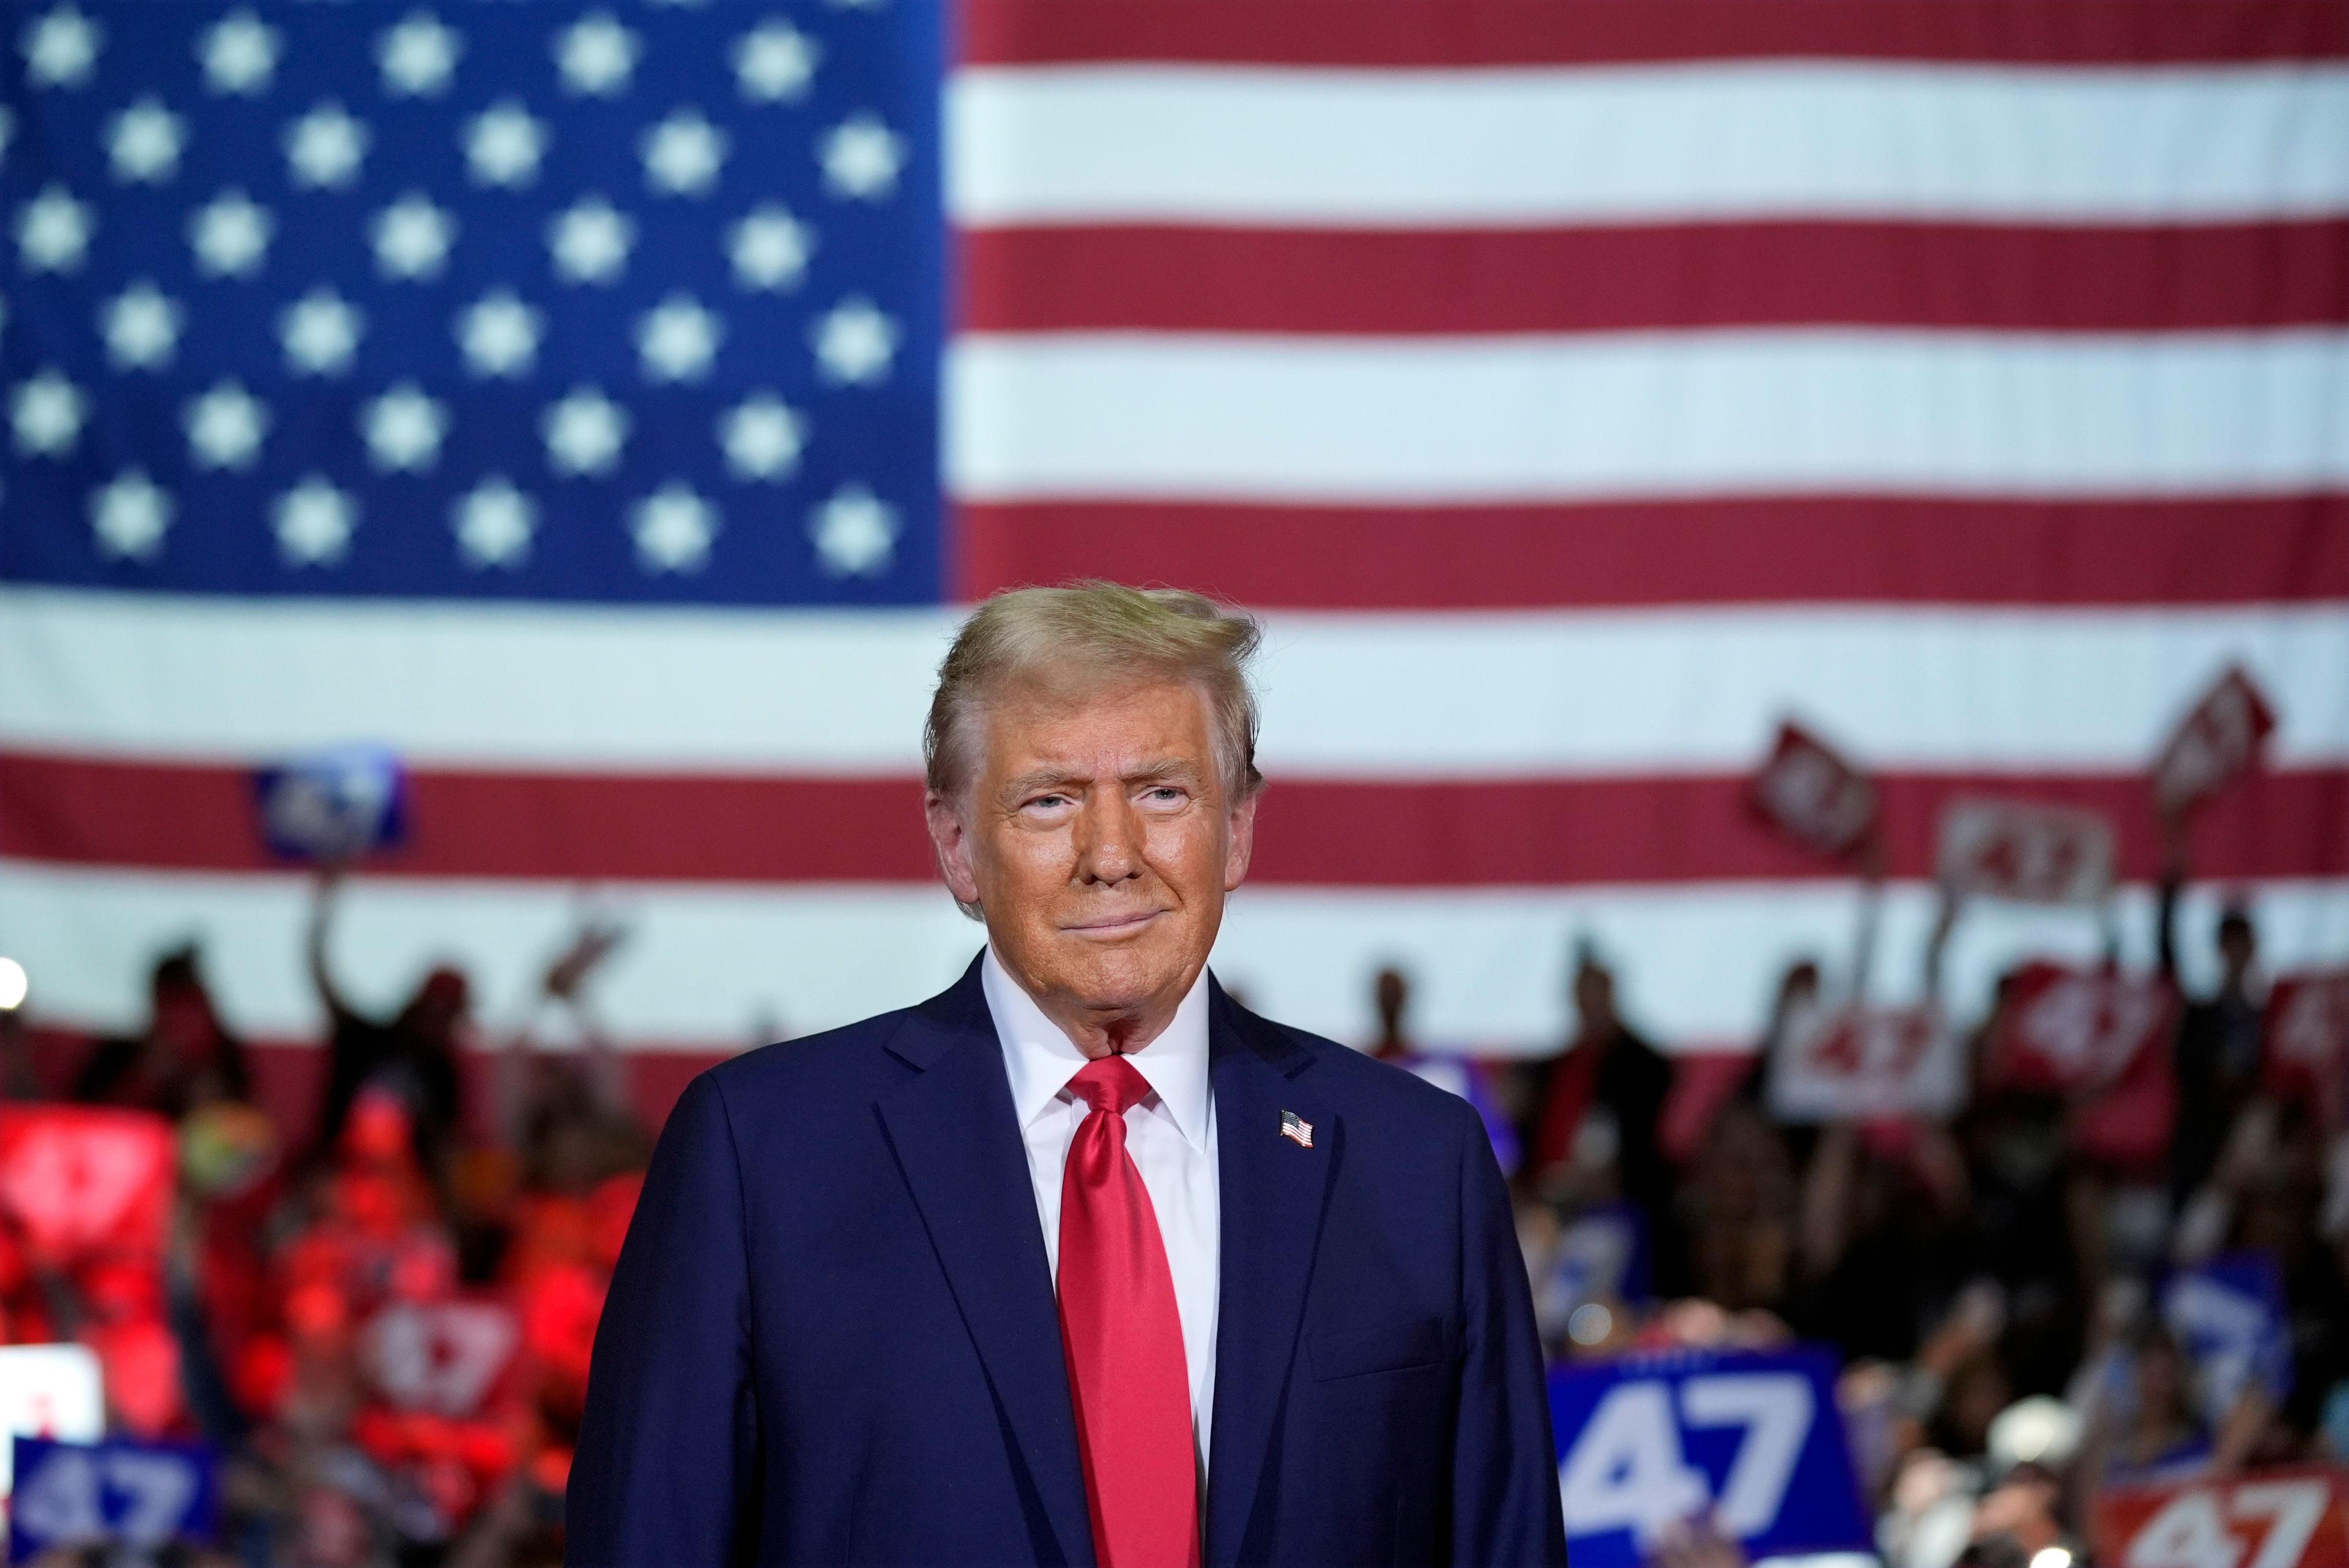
{"type": "Point", "coordinates": [2278, 1520]}
{"type": "Point", "coordinates": [1749, 1439]}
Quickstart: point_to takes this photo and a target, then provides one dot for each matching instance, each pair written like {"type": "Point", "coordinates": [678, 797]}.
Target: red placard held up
{"type": "Point", "coordinates": [2026, 851]}
{"type": "Point", "coordinates": [2268, 1518]}
{"type": "Point", "coordinates": [2218, 739]}
{"type": "Point", "coordinates": [2080, 1030]}
{"type": "Point", "coordinates": [76, 1181]}
{"type": "Point", "coordinates": [2308, 1032]}
{"type": "Point", "coordinates": [1807, 790]}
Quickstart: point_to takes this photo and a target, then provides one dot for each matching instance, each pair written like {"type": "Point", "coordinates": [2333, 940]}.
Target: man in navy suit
{"type": "Point", "coordinates": [1078, 1261]}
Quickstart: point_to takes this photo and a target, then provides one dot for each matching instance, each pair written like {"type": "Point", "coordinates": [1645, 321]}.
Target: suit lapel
{"type": "Point", "coordinates": [957, 1141]}
{"type": "Point", "coordinates": [1273, 1195]}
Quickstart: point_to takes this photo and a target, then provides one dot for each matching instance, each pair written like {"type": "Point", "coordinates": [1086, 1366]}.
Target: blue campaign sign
{"type": "Point", "coordinates": [2228, 1315]}
{"type": "Point", "coordinates": [117, 1493]}
{"type": "Point", "coordinates": [1753, 1437]}
{"type": "Point", "coordinates": [333, 805]}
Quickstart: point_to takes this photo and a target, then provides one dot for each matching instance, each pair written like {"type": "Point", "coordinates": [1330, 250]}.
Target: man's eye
{"type": "Point", "coordinates": [1166, 792]}
{"type": "Point", "coordinates": [1048, 801]}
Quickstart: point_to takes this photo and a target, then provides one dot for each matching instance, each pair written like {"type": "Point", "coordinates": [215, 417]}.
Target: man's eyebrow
{"type": "Point", "coordinates": [1169, 767]}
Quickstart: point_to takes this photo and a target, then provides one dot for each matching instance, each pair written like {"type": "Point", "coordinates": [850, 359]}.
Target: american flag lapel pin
{"type": "Point", "coordinates": [1297, 1130]}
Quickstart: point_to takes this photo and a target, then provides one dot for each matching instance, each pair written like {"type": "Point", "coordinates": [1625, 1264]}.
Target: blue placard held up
{"type": "Point", "coordinates": [333, 805]}
{"type": "Point", "coordinates": [1752, 1438]}
{"type": "Point", "coordinates": [118, 1493]}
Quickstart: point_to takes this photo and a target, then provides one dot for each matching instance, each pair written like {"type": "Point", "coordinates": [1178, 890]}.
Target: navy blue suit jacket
{"type": "Point", "coordinates": [832, 1337]}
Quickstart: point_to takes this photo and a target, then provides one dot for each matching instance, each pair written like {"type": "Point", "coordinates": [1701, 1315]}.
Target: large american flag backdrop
{"type": "Point", "coordinates": [609, 406]}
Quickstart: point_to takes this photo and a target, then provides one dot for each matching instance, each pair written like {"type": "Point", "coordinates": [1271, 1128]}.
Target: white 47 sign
{"type": "Point", "coordinates": [2259, 1522]}
{"type": "Point", "coordinates": [1628, 1469]}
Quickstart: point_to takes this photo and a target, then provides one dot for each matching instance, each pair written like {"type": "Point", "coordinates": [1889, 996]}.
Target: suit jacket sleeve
{"type": "Point", "coordinates": [1504, 1496]}
{"type": "Point", "coordinates": [666, 1466]}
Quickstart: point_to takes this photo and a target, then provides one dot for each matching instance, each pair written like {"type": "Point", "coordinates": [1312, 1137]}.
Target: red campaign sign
{"type": "Point", "coordinates": [79, 1180]}
{"type": "Point", "coordinates": [1846, 1064]}
{"type": "Point", "coordinates": [2023, 850]}
{"type": "Point", "coordinates": [2219, 739]}
{"type": "Point", "coordinates": [2268, 1518]}
{"type": "Point", "coordinates": [2308, 1031]}
{"type": "Point", "coordinates": [2081, 1030]}
{"type": "Point", "coordinates": [1807, 790]}
{"type": "Point", "coordinates": [441, 1357]}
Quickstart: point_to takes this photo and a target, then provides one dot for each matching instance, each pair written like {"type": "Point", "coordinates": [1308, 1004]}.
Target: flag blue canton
{"type": "Point", "coordinates": [583, 303]}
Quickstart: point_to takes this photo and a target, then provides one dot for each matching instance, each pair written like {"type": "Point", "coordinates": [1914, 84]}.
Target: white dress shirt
{"type": "Point", "coordinates": [1170, 1136]}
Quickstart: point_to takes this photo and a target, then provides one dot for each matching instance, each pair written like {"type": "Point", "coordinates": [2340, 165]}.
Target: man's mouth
{"type": "Point", "coordinates": [1112, 924]}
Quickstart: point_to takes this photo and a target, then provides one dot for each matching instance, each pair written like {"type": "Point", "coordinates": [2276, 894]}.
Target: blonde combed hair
{"type": "Point", "coordinates": [1093, 633]}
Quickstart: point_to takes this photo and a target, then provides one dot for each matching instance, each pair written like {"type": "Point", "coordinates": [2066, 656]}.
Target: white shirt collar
{"type": "Point", "coordinates": [1040, 1060]}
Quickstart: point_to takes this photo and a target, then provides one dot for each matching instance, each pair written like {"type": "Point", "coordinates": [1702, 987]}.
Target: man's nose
{"type": "Point", "coordinates": [1109, 839]}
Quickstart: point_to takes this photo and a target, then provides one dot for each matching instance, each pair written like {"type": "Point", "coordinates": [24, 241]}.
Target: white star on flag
{"type": "Point", "coordinates": [418, 55]}
{"type": "Point", "coordinates": [682, 154]}
{"type": "Point", "coordinates": [673, 527]}
{"type": "Point", "coordinates": [494, 522]}
{"type": "Point", "coordinates": [313, 521]}
{"type": "Point", "coordinates": [856, 5]}
{"type": "Point", "coordinates": [141, 328]}
{"type": "Point", "coordinates": [239, 54]}
{"type": "Point", "coordinates": [503, 144]}
{"type": "Point", "coordinates": [412, 238]}
{"type": "Point", "coordinates": [584, 432]}
{"type": "Point", "coordinates": [60, 48]}
{"type": "Point", "coordinates": [861, 158]}
{"type": "Point", "coordinates": [403, 430]}
{"type": "Point", "coordinates": [225, 426]}
{"type": "Point", "coordinates": [769, 249]}
{"type": "Point", "coordinates": [144, 143]}
{"type": "Point", "coordinates": [324, 148]}
{"type": "Point", "coordinates": [52, 232]}
{"type": "Point", "coordinates": [46, 415]}
{"type": "Point", "coordinates": [854, 534]}
{"type": "Point", "coordinates": [499, 334]}
{"type": "Point", "coordinates": [595, 55]}
{"type": "Point", "coordinates": [855, 342]}
{"type": "Point", "coordinates": [321, 332]}
{"type": "Point", "coordinates": [773, 62]}
{"type": "Point", "coordinates": [763, 437]}
{"type": "Point", "coordinates": [129, 515]}
{"type": "Point", "coordinates": [230, 235]}
{"type": "Point", "coordinates": [677, 339]}
{"type": "Point", "coordinates": [590, 241]}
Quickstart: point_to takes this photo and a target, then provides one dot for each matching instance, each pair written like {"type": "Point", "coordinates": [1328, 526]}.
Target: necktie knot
{"type": "Point", "coordinates": [1112, 1084]}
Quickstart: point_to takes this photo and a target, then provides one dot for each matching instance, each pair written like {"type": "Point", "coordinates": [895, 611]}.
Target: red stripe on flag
{"type": "Point", "coordinates": [1596, 279]}
{"type": "Point", "coordinates": [1421, 33]}
{"type": "Point", "coordinates": [1851, 550]}
{"type": "Point", "coordinates": [1314, 832]}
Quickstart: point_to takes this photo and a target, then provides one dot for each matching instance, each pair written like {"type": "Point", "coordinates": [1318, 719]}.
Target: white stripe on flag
{"type": "Point", "coordinates": [1508, 148]}
{"type": "Point", "coordinates": [1776, 412]}
{"type": "Point", "coordinates": [711, 967]}
{"type": "Point", "coordinates": [1502, 695]}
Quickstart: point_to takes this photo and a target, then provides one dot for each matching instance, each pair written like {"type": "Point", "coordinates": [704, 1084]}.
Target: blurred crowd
{"type": "Point", "coordinates": [382, 1318]}
{"type": "Point", "coordinates": [2035, 1296]}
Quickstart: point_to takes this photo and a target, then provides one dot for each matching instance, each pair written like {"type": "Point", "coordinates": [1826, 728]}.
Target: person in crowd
{"type": "Point", "coordinates": [413, 1056]}
{"type": "Point", "coordinates": [1390, 994]}
{"type": "Point", "coordinates": [1599, 1104]}
{"type": "Point", "coordinates": [182, 1058]}
{"type": "Point", "coordinates": [2221, 1051]}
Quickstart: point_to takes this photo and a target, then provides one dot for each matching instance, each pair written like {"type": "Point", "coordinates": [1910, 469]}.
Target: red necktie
{"type": "Point", "coordinates": [1123, 1340]}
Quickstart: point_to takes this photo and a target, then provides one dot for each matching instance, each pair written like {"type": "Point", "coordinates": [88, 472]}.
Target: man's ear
{"type": "Point", "coordinates": [950, 839]}
{"type": "Point", "coordinates": [1243, 842]}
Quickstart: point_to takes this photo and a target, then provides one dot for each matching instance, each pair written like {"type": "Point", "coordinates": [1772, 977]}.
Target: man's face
{"type": "Point", "coordinates": [1099, 840]}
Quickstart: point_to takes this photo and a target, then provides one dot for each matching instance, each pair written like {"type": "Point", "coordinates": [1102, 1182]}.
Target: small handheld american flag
{"type": "Point", "coordinates": [1296, 1128]}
